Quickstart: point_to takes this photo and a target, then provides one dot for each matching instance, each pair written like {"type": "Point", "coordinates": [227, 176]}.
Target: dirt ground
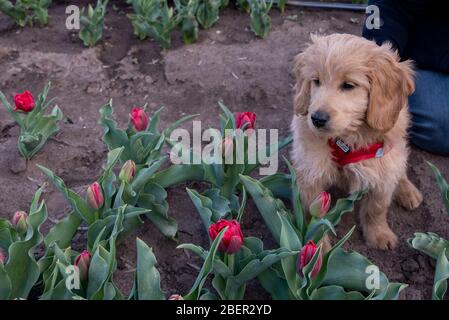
{"type": "Point", "coordinates": [228, 63]}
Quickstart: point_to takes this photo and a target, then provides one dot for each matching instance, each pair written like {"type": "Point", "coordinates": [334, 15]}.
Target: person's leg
{"type": "Point", "coordinates": [429, 106]}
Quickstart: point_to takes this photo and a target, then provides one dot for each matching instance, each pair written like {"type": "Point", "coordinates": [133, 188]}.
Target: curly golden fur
{"type": "Point", "coordinates": [364, 89]}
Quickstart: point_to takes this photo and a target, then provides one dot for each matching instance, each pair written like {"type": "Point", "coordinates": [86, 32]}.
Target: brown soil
{"type": "Point", "coordinates": [227, 63]}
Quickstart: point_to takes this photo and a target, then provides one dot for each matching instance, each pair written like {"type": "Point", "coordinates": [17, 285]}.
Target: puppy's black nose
{"type": "Point", "coordinates": [319, 118]}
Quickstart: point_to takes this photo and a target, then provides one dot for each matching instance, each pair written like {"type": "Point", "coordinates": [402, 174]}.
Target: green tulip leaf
{"type": "Point", "coordinates": [220, 267]}
{"type": "Point", "coordinates": [103, 262]}
{"type": "Point", "coordinates": [289, 239]}
{"type": "Point", "coordinates": [275, 284]}
{"type": "Point", "coordinates": [63, 232]}
{"type": "Point", "coordinates": [76, 202]}
{"type": "Point", "coordinates": [98, 273]}
{"type": "Point", "coordinates": [260, 263]}
{"type": "Point", "coordinates": [177, 174]}
{"type": "Point", "coordinates": [428, 243]}
{"type": "Point", "coordinates": [441, 276]}
{"type": "Point", "coordinates": [242, 205]}
{"type": "Point", "coordinates": [279, 184]}
{"type": "Point", "coordinates": [335, 292]}
{"type": "Point", "coordinates": [295, 199]}
{"type": "Point", "coordinates": [442, 185]}
{"type": "Point", "coordinates": [113, 137]}
{"type": "Point", "coordinates": [144, 175]}
{"type": "Point", "coordinates": [260, 20]}
{"type": "Point", "coordinates": [22, 268]}
{"type": "Point", "coordinates": [207, 13]}
{"type": "Point", "coordinates": [203, 206]}
{"type": "Point", "coordinates": [7, 234]}
{"type": "Point", "coordinates": [353, 271]}
{"type": "Point", "coordinates": [267, 205]}
{"type": "Point", "coordinates": [5, 284]}
{"type": "Point", "coordinates": [206, 269]}
{"type": "Point", "coordinates": [211, 206]}
{"type": "Point", "coordinates": [166, 225]}
{"type": "Point", "coordinates": [147, 278]}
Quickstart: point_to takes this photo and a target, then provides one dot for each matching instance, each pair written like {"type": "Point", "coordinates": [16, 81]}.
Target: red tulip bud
{"type": "Point", "coordinates": [2, 257]}
{"type": "Point", "coordinates": [227, 147]}
{"type": "Point", "coordinates": [94, 196]}
{"type": "Point", "coordinates": [139, 119]}
{"type": "Point", "coordinates": [127, 171]}
{"type": "Point", "coordinates": [232, 240]}
{"type": "Point", "coordinates": [82, 261]}
{"type": "Point", "coordinates": [19, 221]}
{"type": "Point", "coordinates": [241, 118]}
{"type": "Point", "coordinates": [306, 255]}
{"type": "Point", "coordinates": [24, 102]}
{"type": "Point", "coordinates": [320, 206]}
{"type": "Point", "coordinates": [176, 297]}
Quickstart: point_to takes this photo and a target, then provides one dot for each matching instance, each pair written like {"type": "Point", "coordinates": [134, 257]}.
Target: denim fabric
{"type": "Point", "coordinates": [429, 106]}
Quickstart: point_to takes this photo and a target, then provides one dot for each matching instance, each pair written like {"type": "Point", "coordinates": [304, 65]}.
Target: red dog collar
{"type": "Point", "coordinates": [343, 154]}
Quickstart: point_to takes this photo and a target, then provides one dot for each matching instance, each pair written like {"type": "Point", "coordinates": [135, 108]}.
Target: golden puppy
{"type": "Point", "coordinates": [350, 127]}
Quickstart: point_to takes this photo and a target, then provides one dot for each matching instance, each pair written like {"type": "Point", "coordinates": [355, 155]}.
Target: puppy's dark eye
{"type": "Point", "coordinates": [316, 82]}
{"type": "Point", "coordinates": [347, 86]}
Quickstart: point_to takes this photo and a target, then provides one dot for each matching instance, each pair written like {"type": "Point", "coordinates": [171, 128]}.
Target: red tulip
{"type": "Point", "coordinates": [241, 118]}
{"type": "Point", "coordinates": [139, 119]}
{"type": "Point", "coordinates": [127, 171]}
{"type": "Point", "coordinates": [175, 297]}
{"type": "Point", "coordinates": [19, 221]}
{"type": "Point", "coordinates": [82, 261]}
{"type": "Point", "coordinates": [232, 240]}
{"type": "Point", "coordinates": [306, 255]}
{"type": "Point", "coordinates": [24, 102]}
{"type": "Point", "coordinates": [2, 257]}
{"type": "Point", "coordinates": [320, 206]}
{"type": "Point", "coordinates": [94, 196]}
{"type": "Point", "coordinates": [227, 147]}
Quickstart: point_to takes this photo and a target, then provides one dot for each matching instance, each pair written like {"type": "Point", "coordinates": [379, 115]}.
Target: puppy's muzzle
{"type": "Point", "coordinates": [319, 118]}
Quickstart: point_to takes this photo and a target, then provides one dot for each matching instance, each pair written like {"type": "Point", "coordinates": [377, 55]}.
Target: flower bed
{"type": "Point", "coordinates": [79, 166]}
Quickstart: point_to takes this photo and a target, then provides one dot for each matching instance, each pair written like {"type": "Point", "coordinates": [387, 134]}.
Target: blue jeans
{"type": "Point", "coordinates": [429, 106]}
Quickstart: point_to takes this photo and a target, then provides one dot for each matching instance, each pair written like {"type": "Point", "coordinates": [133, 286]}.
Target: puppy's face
{"type": "Point", "coordinates": [345, 82]}
{"type": "Point", "coordinates": [339, 97]}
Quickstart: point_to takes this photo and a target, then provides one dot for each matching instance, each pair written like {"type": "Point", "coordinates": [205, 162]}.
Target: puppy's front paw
{"type": "Point", "coordinates": [412, 200]}
{"type": "Point", "coordinates": [381, 238]}
{"type": "Point", "coordinates": [409, 196]}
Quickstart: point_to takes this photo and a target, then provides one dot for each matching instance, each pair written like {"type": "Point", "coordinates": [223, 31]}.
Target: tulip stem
{"type": "Point", "coordinates": [231, 262]}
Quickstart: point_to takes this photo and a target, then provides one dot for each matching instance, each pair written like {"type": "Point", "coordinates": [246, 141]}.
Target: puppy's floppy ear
{"type": "Point", "coordinates": [301, 100]}
{"type": "Point", "coordinates": [391, 84]}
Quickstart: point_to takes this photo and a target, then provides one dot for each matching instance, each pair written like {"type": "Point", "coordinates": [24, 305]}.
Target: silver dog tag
{"type": "Point", "coordinates": [343, 146]}
{"type": "Point", "coordinates": [380, 153]}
